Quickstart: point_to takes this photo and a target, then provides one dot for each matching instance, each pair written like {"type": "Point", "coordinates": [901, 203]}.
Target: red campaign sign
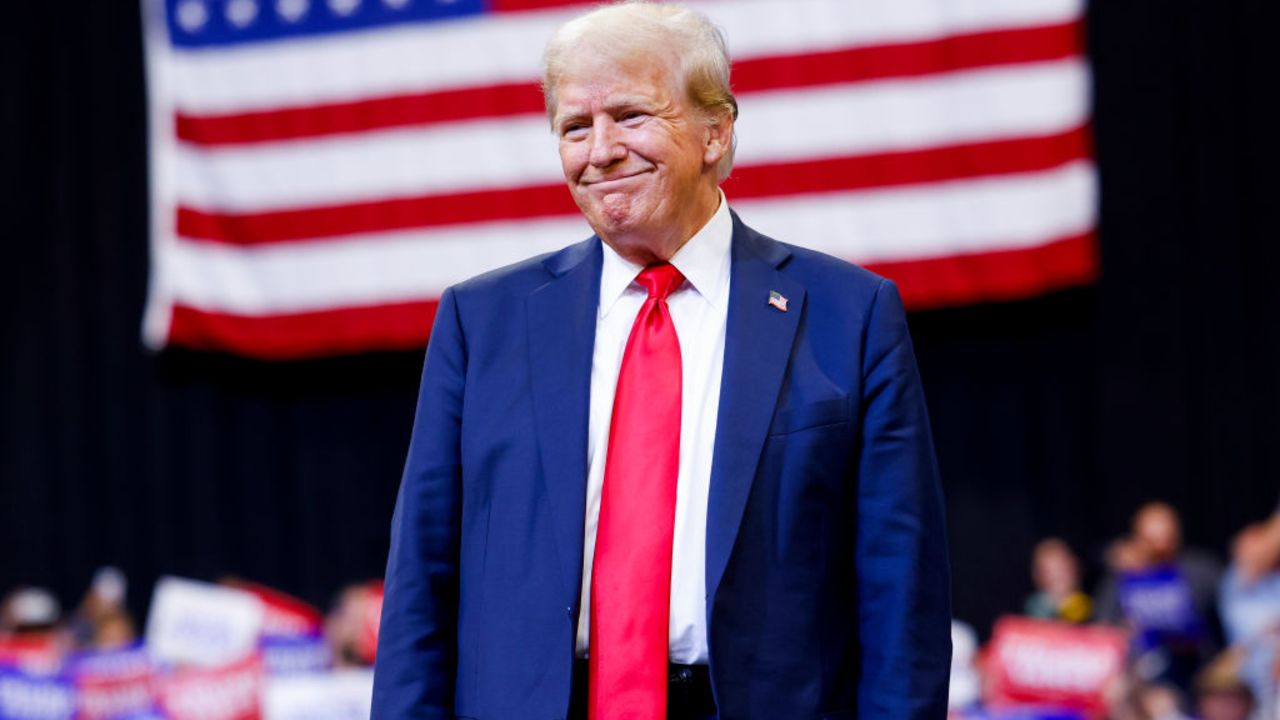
{"type": "Point", "coordinates": [1040, 662]}
{"type": "Point", "coordinates": [38, 653]}
{"type": "Point", "coordinates": [113, 684]}
{"type": "Point", "coordinates": [106, 698]}
{"type": "Point", "coordinates": [283, 615]}
{"type": "Point", "coordinates": [229, 692]}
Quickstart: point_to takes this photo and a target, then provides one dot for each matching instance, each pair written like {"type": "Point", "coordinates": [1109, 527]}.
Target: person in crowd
{"type": "Point", "coordinates": [1221, 693]}
{"type": "Point", "coordinates": [29, 611]}
{"type": "Point", "coordinates": [29, 635]}
{"type": "Point", "coordinates": [1160, 701]}
{"type": "Point", "coordinates": [676, 469]}
{"type": "Point", "coordinates": [101, 621]}
{"type": "Point", "coordinates": [1165, 592]}
{"type": "Point", "coordinates": [114, 631]}
{"type": "Point", "coordinates": [1055, 571]}
{"type": "Point", "coordinates": [351, 625]}
{"type": "Point", "coordinates": [1250, 607]}
{"type": "Point", "coordinates": [1156, 543]}
{"type": "Point", "coordinates": [1130, 697]}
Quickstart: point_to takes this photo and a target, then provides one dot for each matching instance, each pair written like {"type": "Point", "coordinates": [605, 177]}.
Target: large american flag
{"type": "Point", "coordinates": [323, 169]}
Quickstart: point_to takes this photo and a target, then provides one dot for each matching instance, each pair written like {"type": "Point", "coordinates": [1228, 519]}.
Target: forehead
{"type": "Point", "coordinates": [1157, 517]}
{"type": "Point", "coordinates": [592, 76]}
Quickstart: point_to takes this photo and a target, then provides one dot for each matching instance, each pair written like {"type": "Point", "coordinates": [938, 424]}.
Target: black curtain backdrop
{"type": "Point", "coordinates": [1052, 416]}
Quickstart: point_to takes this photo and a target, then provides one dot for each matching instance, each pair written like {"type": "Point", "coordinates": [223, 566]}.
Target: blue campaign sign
{"type": "Point", "coordinates": [1020, 713]}
{"type": "Point", "coordinates": [24, 696]}
{"type": "Point", "coordinates": [126, 661]}
{"type": "Point", "coordinates": [287, 655]}
{"type": "Point", "coordinates": [113, 684]}
{"type": "Point", "coordinates": [1159, 601]}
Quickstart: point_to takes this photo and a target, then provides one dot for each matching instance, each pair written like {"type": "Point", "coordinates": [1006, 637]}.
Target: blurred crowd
{"type": "Point", "coordinates": [1169, 633]}
{"type": "Point", "coordinates": [231, 650]}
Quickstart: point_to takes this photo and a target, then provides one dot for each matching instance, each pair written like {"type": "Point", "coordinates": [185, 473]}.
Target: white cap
{"type": "Point", "coordinates": [110, 584]}
{"type": "Point", "coordinates": [33, 606]}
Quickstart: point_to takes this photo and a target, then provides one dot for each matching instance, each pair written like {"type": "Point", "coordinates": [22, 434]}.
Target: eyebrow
{"type": "Point", "coordinates": [617, 104]}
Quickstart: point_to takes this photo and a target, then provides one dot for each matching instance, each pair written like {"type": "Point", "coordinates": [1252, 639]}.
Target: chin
{"type": "Point", "coordinates": [618, 214]}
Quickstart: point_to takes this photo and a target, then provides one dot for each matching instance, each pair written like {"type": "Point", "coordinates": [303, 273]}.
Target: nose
{"type": "Point", "coordinates": [606, 143]}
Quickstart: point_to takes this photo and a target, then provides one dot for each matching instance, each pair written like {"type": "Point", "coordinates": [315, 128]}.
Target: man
{"type": "Point", "coordinates": [678, 469]}
{"type": "Point", "coordinates": [1055, 572]}
{"type": "Point", "coordinates": [1155, 544]}
{"type": "Point", "coordinates": [1165, 592]}
{"type": "Point", "coordinates": [1249, 597]}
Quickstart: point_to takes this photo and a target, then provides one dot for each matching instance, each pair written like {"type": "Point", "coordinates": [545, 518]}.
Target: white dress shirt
{"type": "Point", "coordinates": [699, 308]}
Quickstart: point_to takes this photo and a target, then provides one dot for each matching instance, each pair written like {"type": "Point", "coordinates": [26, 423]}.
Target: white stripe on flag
{"type": "Point", "coordinates": [952, 218]}
{"type": "Point", "coordinates": [976, 105]}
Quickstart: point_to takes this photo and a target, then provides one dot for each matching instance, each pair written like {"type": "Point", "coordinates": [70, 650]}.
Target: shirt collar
{"type": "Point", "coordinates": [703, 260]}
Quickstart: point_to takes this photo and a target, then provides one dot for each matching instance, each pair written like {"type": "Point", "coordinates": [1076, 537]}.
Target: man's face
{"type": "Point", "coordinates": [637, 157]}
{"type": "Point", "coordinates": [1158, 530]}
{"type": "Point", "coordinates": [1055, 571]}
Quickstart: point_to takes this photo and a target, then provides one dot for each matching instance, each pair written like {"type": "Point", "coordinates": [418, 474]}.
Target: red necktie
{"type": "Point", "coordinates": [631, 571]}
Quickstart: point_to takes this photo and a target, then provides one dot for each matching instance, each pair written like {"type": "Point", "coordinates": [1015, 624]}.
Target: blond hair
{"type": "Point", "coordinates": [637, 28]}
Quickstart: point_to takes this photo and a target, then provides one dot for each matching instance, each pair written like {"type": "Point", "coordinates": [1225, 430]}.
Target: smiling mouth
{"type": "Point", "coordinates": [608, 182]}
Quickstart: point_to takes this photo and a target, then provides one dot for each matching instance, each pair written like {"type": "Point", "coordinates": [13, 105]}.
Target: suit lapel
{"type": "Point", "coordinates": [758, 340]}
{"type": "Point", "coordinates": [562, 325]}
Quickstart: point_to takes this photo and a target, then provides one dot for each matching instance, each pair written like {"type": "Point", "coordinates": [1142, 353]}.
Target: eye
{"type": "Point", "coordinates": [631, 115]}
{"type": "Point", "coordinates": [573, 130]}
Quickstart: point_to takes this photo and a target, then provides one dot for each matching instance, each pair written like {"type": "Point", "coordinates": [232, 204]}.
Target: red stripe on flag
{"type": "Point", "coordinates": [779, 179]}
{"type": "Point", "coordinates": [959, 52]}
{"type": "Point", "coordinates": [361, 115]}
{"type": "Point", "coordinates": [910, 167]}
{"type": "Point", "coordinates": [524, 5]}
{"type": "Point", "coordinates": [377, 216]}
{"type": "Point", "coordinates": [994, 276]}
{"type": "Point", "coordinates": [929, 283]}
{"type": "Point", "coordinates": [401, 326]}
{"type": "Point", "coordinates": [880, 62]}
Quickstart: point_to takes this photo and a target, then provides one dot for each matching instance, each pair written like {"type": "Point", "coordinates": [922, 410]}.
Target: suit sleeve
{"type": "Point", "coordinates": [417, 643]}
{"type": "Point", "coordinates": [904, 586]}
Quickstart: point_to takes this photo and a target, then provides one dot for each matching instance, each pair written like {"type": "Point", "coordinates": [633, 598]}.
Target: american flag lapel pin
{"type": "Point", "coordinates": [777, 300]}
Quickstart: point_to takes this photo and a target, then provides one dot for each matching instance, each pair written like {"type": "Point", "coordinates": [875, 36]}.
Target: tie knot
{"type": "Point", "coordinates": [660, 280]}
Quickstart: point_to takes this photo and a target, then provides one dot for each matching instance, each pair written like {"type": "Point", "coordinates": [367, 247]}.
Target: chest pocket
{"type": "Point", "coordinates": [833, 411]}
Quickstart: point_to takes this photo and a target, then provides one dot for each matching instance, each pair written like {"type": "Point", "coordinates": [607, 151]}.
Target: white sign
{"type": "Point", "coordinates": [202, 624]}
{"type": "Point", "coordinates": [338, 695]}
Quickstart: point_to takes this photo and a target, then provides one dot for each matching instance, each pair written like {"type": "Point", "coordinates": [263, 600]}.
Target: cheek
{"type": "Point", "coordinates": [572, 159]}
{"type": "Point", "coordinates": [686, 152]}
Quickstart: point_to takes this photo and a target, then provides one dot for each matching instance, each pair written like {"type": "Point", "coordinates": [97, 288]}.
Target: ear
{"type": "Point", "coordinates": [718, 140]}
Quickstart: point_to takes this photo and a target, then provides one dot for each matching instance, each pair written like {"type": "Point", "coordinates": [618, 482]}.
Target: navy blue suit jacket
{"type": "Point", "coordinates": [826, 557]}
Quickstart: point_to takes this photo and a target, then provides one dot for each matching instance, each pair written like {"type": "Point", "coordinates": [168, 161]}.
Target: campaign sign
{"type": "Point", "coordinates": [1017, 713]}
{"type": "Point", "coordinates": [288, 655]}
{"type": "Point", "coordinates": [283, 615]}
{"type": "Point", "coordinates": [1046, 663]}
{"type": "Point", "coordinates": [1158, 603]}
{"type": "Point", "coordinates": [341, 695]}
{"type": "Point", "coordinates": [229, 692]}
{"type": "Point", "coordinates": [37, 654]}
{"type": "Point", "coordinates": [113, 685]}
{"type": "Point", "coordinates": [28, 696]}
{"type": "Point", "coordinates": [202, 624]}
